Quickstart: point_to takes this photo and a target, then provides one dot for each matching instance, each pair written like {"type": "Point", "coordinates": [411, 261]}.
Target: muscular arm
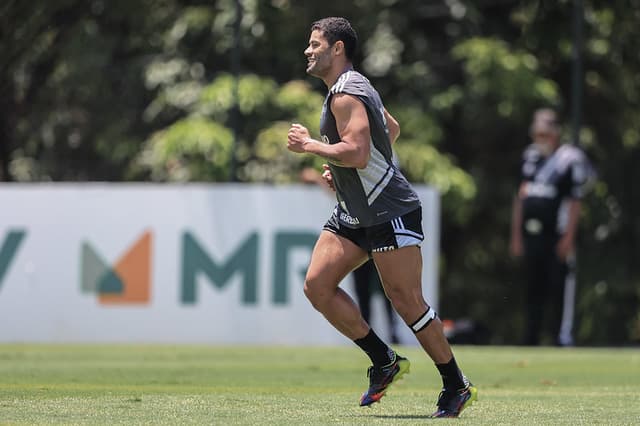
{"type": "Point", "coordinates": [566, 245]}
{"type": "Point", "coordinates": [516, 248]}
{"type": "Point", "coordinates": [352, 122]}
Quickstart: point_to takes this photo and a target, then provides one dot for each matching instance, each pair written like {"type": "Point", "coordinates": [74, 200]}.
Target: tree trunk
{"type": "Point", "coordinates": [5, 141]}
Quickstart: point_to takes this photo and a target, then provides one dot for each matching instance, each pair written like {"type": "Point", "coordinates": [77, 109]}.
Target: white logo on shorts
{"type": "Point", "coordinates": [383, 249]}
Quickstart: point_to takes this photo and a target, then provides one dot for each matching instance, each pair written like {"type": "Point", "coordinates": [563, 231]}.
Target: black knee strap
{"type": "Point", "coordinates": [424, 320]}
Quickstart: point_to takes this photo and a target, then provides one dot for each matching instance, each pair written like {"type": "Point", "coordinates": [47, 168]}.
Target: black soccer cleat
{"type": "Point", "coordinates": [380, 378]}
{"type": "Point", "coordinates": [451, 403]}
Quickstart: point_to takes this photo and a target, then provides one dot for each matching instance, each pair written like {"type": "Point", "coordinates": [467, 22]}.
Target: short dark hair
{"type": "Point", "coordinates": [336, 28]}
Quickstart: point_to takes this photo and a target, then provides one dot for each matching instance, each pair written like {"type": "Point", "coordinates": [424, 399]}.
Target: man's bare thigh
{"type": "Point", "coordinates": [333, 258]}
{"type": "Point", "coordinates": [400, 267]}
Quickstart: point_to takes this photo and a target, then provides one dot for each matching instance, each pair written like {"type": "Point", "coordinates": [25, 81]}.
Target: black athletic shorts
{"type": "Point", "coordinates": [402, 231]}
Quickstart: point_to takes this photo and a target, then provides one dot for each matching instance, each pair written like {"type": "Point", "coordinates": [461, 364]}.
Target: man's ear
{"type": "Point", "coordinates": [338, 47]}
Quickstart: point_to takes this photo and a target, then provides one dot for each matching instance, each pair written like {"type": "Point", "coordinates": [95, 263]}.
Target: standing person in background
{"type": "Point", "coordinates": [546, 211]}
{"type": "Point", "coordinates": [378, 215]}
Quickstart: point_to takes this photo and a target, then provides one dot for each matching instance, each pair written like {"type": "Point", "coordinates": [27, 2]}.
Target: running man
{"type": "Point", "coordinates": [378, 215]}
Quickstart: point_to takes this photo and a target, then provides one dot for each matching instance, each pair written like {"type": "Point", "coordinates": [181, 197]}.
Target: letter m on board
{"type": "Point", "coordinates": [8, 250]}
{"type": "Point", "coordinates": [195, 260]}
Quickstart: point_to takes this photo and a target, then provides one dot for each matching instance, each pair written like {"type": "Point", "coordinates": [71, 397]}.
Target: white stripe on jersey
{"type": "Point", "coordinates": [376, 176]}
{"type": "Point", "coordinates": [342, 81]}
{"type": "Point", "coordinates": [380, 186]}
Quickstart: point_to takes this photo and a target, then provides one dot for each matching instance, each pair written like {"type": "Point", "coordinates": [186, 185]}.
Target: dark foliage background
{"type": "Point", "coordinates": [142, 90]}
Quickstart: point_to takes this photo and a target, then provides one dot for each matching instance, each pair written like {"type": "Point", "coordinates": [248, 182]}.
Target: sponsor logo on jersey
{"type": "Point", "coordinates": [537, 189]}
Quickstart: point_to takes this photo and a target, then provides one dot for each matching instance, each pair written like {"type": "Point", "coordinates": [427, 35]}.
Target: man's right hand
{"type": "Point", "coordinates": [297, 137]}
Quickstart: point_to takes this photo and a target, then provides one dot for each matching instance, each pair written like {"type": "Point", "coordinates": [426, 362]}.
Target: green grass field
{"type": "Point", "coordinates": [159, 384]}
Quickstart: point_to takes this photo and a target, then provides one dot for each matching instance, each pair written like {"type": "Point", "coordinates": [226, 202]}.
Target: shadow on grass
{"type": "Point", "coordinates": [403, 416]}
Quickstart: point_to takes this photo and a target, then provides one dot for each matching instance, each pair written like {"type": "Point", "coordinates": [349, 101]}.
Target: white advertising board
{"type": "Point", "coordinates": [195, 263]}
